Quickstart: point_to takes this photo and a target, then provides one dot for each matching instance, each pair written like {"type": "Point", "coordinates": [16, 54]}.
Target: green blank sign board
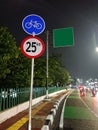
{"type": "Point", "coordinates": [63, 37]}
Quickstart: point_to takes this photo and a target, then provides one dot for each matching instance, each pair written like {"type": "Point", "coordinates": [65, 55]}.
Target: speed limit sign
{"type": "Point", "coordinates": [32, 47]}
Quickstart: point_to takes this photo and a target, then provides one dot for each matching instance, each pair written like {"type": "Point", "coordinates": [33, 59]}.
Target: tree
{"type": "Point", "coordinates": [14, 67]}
{"type": "Point", "coordinates": [57, 73]}
{"type": "Point", "coordinates": [20, 72]}
{"type": "Point", "coordinates": [40, 72]}
{"type": "Point", "coordinates": [7, 51]}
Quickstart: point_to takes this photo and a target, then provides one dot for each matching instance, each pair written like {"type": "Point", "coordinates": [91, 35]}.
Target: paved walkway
{"type": "Point", "coordinates": [39, 114]}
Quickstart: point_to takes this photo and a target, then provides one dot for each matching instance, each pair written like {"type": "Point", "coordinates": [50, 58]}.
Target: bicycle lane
{"type": "Point", "coordinates": [77, 116]}
{"type": "Point", "coordinates": [20, 121]}
{"type": "Point", "coordinates": [39, 113]}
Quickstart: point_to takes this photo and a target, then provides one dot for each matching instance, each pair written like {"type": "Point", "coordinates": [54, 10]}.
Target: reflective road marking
{"type": "Point", "coordinates": [23, 120]}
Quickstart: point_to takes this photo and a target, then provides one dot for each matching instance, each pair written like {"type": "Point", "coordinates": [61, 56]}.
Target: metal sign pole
{"type": "Point", "coordinates": [32, 50]}
{"type": "Point", "coordinates": [47, 56]}
{"type": "Point", "coordinates": [31, 91]}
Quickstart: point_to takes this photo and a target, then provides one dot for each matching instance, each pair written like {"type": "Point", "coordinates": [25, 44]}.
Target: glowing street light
{"type": "Point", "coordinates": [96, 49]}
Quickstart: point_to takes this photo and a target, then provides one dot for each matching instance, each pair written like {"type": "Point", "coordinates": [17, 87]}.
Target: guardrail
{"type": "Point", "coordinates": [10, 97]}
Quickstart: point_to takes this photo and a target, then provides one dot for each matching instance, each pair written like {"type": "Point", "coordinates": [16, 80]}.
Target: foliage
{"type": "Point", "coordinates": [20, 72]}
{"type": "Point", "coordinates": [58, 76]}
{"type": "Point", "coordinates": [15, 68]}
{"type": "Point", "coordinates": [40, 72]}
{"type": "Point", "coordinates": [7, 51]}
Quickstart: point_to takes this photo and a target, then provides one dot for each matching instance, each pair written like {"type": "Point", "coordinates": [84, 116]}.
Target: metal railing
{"type": "Point", "coordinates": [10, 97]}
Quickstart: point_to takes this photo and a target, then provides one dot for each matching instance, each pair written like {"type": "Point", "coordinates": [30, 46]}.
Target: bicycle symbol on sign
{"type": "Point", "coordinates": [34, 24]}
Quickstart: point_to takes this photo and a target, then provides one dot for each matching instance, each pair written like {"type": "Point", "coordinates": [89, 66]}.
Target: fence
{"type": "Point", "coordinates": [10, 97]}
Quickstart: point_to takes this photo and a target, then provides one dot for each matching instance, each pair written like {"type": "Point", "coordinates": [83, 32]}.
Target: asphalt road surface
{"type": "Point", "coordinates": [81, 113]}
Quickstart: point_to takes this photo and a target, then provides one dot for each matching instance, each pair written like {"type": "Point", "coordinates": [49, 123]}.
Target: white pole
{"type": "Point", "coordinates": [31, 91]}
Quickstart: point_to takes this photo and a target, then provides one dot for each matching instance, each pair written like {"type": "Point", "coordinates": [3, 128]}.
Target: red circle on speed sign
{"type": "Point", "coordinates": [32, 47]}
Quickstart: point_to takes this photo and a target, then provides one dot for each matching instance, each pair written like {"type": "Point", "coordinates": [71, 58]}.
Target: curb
{"type": "Point", "coordinates": [61, 124]}
{"type": "Point", "coordinates": [5, 115]}
{"type": "Point", "coordinates": [50, 118]}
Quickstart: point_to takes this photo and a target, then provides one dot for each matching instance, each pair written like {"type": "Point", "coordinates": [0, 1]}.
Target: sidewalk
{"type": "Point", "coordinates": [39, 113]}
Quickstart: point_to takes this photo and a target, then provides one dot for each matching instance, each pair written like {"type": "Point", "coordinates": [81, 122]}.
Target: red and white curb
{"type": "Point", "coordinates": [50, 118]}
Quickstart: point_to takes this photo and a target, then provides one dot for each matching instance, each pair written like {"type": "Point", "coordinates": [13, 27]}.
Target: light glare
{"type": "Point", "coordinates": [96, 49]}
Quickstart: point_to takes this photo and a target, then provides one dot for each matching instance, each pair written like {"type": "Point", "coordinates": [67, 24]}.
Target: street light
{"type": "Point", "coordinates": [96, 49]}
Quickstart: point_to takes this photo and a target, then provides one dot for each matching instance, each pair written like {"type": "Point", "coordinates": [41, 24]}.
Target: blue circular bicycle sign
{"type": "Point", "coordinates": [33, 24]}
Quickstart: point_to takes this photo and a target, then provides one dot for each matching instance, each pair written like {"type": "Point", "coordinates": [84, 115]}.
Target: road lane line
{"type": "Point", "coordinates": [23, 120]}
{"type": "Point", "coordinates": [89, 108]}
{"type": "Point", "coordinates": [18, 124]}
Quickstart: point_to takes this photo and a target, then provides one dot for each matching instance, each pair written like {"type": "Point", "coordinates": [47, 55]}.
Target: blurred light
{"type": "Point", "coordinates": [96, 49]}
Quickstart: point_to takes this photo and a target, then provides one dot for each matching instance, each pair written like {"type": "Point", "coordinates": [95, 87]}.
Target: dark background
{"type": "Point", "coordinates": [81, 60]}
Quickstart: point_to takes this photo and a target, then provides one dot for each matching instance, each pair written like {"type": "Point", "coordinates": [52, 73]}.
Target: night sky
{"type": "Point", "coordinates": [81, 60]}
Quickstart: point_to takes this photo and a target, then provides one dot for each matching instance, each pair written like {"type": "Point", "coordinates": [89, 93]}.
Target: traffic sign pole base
{"type": "Point", "coordinates": [47, 96]}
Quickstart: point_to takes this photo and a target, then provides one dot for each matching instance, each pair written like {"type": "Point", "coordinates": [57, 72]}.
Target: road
{"type": "Point", "coordinates": [81, 113]}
